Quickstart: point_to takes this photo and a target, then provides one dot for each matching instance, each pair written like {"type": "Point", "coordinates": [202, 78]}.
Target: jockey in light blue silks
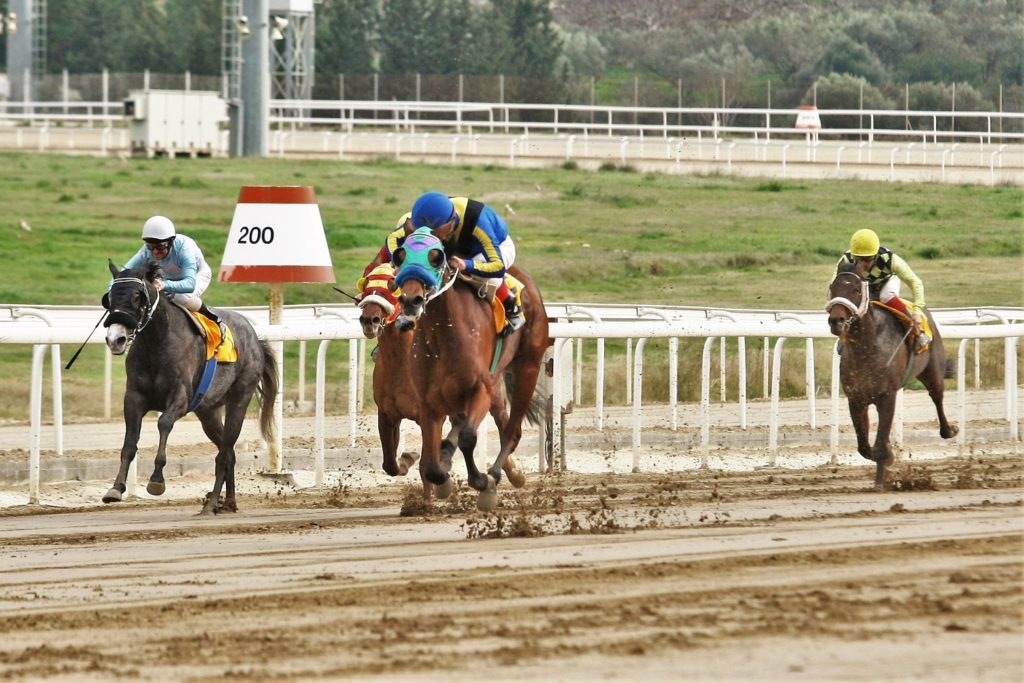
{"type": "Point", "coordinates": [186, 274]}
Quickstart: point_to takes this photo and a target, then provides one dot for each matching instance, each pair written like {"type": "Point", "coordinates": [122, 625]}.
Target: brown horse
{"type": "Point", "coordinates": [393, 391]}
{"type": "Point", "coordinates": [393, 388]}
{"type": "Point", "coordinates": [876, 361]}
{"type": "Point", "coordinates": [463, 368]}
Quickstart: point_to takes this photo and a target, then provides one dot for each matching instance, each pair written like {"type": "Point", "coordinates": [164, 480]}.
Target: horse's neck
{"type": "Point", "coordinates": [873, 331]}
{"type": "Point", "coordinates": [459, 307]}
{"type": "Point", "coordinates": [167, 321]}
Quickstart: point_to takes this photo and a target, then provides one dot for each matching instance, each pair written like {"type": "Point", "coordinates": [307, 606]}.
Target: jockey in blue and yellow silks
{"type": "Point", "coordinates": [475, 238]}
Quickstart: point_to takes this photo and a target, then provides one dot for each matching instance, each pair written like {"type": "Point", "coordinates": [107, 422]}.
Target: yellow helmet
{"type": "Point", "coordinates": [864, 243]}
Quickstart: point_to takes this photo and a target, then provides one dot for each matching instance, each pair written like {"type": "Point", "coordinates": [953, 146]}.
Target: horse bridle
{"type": "Point", "coordinates": [147, 312]}
{"type": "Point", "coordinates": [856, 310]}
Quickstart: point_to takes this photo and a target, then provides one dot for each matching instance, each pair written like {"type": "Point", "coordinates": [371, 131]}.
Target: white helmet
{"type": "Point", "coordinates": [158, 228]}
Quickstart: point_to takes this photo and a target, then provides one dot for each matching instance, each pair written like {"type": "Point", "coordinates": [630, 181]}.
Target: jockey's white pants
{"type": "Point", "coordinates": [890, 289]}
{"type": "Point", "coordinates": [192, 300]}
{"type": "Point", "coordinates": [507, 251]}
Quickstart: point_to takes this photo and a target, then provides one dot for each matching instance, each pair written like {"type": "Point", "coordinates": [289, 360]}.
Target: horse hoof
{"type": "Point", "coordinates": [444, 490]}
{"type": "Point", "coordinates": [880, 476]}
{"type": "Point", "coordinates": [953, 431]}
{"type": "Point", "coordinates": [112, 496]}
{"type": "Point", "coordinates": [156, 488]}
{"type": "Point", "coordinates": [405, 463]}
{"type": "Point", "coordinates": [516, 478]}
{"type": "Point", "coordinates": [488, 498]}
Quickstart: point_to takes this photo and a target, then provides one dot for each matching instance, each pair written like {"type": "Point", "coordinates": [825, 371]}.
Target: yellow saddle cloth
{"type": "Point", "coordinates": [223, 346]}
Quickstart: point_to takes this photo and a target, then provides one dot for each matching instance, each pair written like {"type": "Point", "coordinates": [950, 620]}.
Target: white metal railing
{"type": "Point", "coordinates": [715, 122]}
{"type": "Point", "coordinates": [315, 324]}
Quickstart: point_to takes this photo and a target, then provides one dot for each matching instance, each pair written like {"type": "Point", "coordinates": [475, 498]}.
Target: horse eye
{"type": "Point", "coordinates": [436, 257]}
{"type": "Point", "coordinates": [398, 257]}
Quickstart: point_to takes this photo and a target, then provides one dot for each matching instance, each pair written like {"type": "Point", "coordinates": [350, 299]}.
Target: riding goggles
{"type": "Point", "coordinates": [159, 244]}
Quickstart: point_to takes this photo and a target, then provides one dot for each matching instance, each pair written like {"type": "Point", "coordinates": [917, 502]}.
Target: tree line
{"type": "Point", "coordinates": [931, 54]}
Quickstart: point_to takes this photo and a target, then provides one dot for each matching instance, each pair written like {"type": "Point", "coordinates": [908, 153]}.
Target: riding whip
{"type": "Point", "coordinates": [70, 362]}
{"type": "Point", "coordinates": [341, 291]}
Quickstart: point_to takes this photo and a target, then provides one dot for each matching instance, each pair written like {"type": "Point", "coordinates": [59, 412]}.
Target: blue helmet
{"type": "Point", "coordinates": [433, 210]}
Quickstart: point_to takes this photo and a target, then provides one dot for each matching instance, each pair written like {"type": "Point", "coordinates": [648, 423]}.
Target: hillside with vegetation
{"type": "Point", "coordinates": [922, 54]}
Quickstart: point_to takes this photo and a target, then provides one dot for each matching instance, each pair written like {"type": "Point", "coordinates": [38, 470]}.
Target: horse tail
{"type": "Point", "coordinates": [267, 391]}
{"type": "Point", "coordinates": [540, 404]}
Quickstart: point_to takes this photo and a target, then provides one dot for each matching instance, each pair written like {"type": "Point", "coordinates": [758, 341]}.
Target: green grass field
{"type": "Point", "coordinates": [608, 236]}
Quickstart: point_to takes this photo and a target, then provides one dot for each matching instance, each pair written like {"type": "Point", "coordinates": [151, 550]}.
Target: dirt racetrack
{"type": "Point", "coordinates": [764, 575]}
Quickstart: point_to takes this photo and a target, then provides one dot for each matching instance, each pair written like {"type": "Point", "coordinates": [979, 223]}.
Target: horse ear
{"type": "Point", "coordinates": [105, 300]}
{"type": "Point", "coordinates": [113, 269]}
{"type": "Point", "coordinates": [153, 272]}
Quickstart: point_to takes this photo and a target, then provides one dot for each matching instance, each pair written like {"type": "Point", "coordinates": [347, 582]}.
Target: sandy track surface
{"type": "Point", "coordinates": [766, 575]}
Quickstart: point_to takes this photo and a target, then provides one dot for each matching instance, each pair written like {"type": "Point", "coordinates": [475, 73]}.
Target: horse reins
{"type": "Point", "coordinates": [445, 271]}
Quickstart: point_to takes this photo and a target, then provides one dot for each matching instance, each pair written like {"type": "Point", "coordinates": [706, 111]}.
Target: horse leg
{"type": "Point", "coordinates": [213, 426]}
{"type": "Point", "coordinates": [512, 471]}
{"type": "Point", "coordinates": [859, 416]}
{"type": "Point", "coordinates": [389, 431]}
{"type": "Point", "coordinates": [133, 414]}
{"type": "Point", "coordinates": [882, 451]}
{"type": "Point", "coordinates": [934, 380]}
{"type": "Point", "coordinates": [476, 408]}
{"type": "Point", "coordinates": [430, 470]}
{"type": "Point", "coordinates": [224, 471]}
{"type": "Point", "coordinates": [165, 424]}
{"type": "Point", "coordinates": [525, 372]}
{"type": "Point", "coordinates": [448, 446]}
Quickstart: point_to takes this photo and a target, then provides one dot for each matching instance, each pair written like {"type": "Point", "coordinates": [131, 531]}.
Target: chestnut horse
{"type": "Point", "coordinates": [462, 367]}
{"type": "Point", "coordinates": [876, 361]}
{"type": "Point", "coordinates": [393, 389]}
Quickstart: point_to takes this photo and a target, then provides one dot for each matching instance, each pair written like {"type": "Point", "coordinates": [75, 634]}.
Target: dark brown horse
{"type": "Point", "coordinates": [166, 359]}
{"type": "Point", "coordinates": [461, 370]}
{"type": "Point", "coordinates": [876, 361]}
{"type": "Point", "coordinates": [393, 389]}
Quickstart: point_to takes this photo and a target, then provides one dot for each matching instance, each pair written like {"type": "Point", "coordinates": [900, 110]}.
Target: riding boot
{"type": "Point", "coordinates": [213, 316]}
{"type": "Point", "coordinates": [922, 340]}
{"type": "Point", "coordinates": [513, 313]}
{"type": "Point", "coordinates": [208, 313]}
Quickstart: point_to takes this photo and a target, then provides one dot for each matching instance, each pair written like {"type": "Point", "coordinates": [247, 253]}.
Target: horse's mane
{"type": "Point", "coordinates": [847, 267]}
{"type": "Point", "coordinates": [147, 272]}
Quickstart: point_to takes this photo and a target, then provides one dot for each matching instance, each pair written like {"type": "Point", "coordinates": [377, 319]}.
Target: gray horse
{"type": "Point", "coordinates": [876, 361]}
{"type": "Point", "coordinates": [165, 364]}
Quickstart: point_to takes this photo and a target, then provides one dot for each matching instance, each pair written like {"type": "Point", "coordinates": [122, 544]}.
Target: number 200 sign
{"type": "Point", "coordinates": [254, 234]}
{"type": "Point", "coordinates": [276, 235]}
